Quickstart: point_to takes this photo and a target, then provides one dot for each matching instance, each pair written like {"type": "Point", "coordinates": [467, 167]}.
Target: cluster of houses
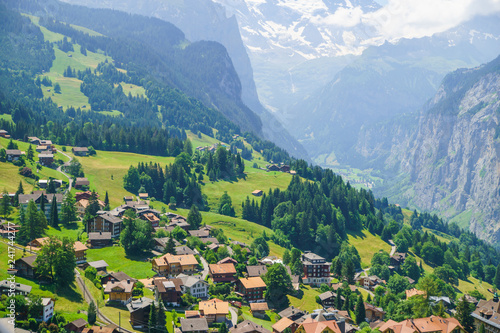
{"type": "Point", "coordinates": [47, 308]}
{"type": "Point", "coordinates": [210, 149]}
{"type": "Point", "coordinates": [281, 168]}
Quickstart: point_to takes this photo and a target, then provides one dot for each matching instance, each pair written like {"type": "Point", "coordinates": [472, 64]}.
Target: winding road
{"type": "Point", "coordinates": [59, 168]}
{"type": "Point", "coordinates": [393, 247]}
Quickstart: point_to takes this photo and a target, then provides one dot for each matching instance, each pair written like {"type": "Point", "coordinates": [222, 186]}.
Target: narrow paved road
{"type": "Point", "coordinates": [393, 247]}
{"type": "Point", "coordinates": [70, 181]}
{"type": "Point", "coordinates": [234, 316]}
{"type": "Point", "coordinates": [204, 274]}
{"type": "Point", "coordinates": [88, 297]}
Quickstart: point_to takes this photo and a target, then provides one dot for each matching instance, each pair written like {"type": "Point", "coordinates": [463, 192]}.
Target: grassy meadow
{"type": "Point", "coordinates": [367, 245]}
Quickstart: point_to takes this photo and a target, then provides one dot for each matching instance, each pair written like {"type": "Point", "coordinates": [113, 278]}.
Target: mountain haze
{"type": "Point", "coordinates": [204, 20]}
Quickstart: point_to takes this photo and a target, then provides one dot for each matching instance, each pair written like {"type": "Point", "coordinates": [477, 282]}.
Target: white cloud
{"type": "Point", "coordinates": [419, 18]}
{"type": "Point", "coordinates": [343, 17]}
{"type": "Point", "coordinates": [408, 18]}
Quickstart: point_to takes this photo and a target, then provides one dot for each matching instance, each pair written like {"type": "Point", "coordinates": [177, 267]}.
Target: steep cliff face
{"type": "Point", "coordinates": [205, 20]}
{"type": "Point", "coordinates": [450, 163]}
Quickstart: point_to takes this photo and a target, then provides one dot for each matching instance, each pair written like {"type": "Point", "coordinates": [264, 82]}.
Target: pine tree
{"type": "Point", "coordinates": [464, 310]}
{"type": "Point", "coordinates": [338, 300]}
{"type": "Point", "coordinates": [170, 246]}
{"type": "Point", "coordinates": [194, 218]}
{"type": "Point", "coordinates": [360, 310]}
{"type": "Point", "coordinates": [91, 313]}
{"type": "Point", "coordinates": [153, 320]}
{"type": "Point", "coordinates": [32, 226]}
{"type": "Point", "coordinates": [481, 328]}
{"type": "Point", "coordinates": [68, 209]}
{"type": "Point", "coordinates": [42, 203]}
{"type": "Point", "coordinates": [161, 318]}
{"type": "Point", "coordinates": [496, 281]}
{"type": "Point", "coordinates": [5, 208]}
{"type": "Point", "coordinates": [106, 202]}
{"type": "Point", "coordinates": [30, 155]}
{"type": "Point", "coordinates": [54, 215]}
{"type": "Point", "coordinates": [51, 188]}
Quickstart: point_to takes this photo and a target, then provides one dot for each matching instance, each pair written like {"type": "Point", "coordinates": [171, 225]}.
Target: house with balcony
{"type": "Point", "coordinates": [316, 269]}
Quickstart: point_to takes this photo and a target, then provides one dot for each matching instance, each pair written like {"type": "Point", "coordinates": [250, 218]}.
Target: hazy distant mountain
{"type": "Point", "coordinates": [384, 82]}
{"type": "Point", "coordinates": [447, 160]}
{"type": "Point", "coordinates": [297, 46]}
{"type": "Point", "coordinates": [206, 20]}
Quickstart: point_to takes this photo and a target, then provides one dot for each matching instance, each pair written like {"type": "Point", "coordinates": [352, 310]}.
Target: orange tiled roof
{"type": "Point", "coordinates": [253, 282]}
{"type": "Point", "coordinates": [222, 268]}
{"type": "Point", "coordinates": [214, 307]}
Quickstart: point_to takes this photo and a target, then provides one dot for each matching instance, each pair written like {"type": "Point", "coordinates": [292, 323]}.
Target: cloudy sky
{"type": "Point", "coordinates": [418, 18]}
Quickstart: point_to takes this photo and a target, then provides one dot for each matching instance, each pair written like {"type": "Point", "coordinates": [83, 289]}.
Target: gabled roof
{"type": "Point", "coordinates": [30, 261]}
{"type": "Point", "coordinates": [17, 286]}
{"type": "Point", "coordinates": [214, 307]}
{"type": "Point", "coordinates": [328, 294]}
{"type": "Point", "coordinates": [222, 268]}
{"type": "Point", "coordinates": [125, 286]}
{"type": "Point", "coordinates": [98, 264]}
{"type": "Point", "coordinates": [79, 323]}
{"type": "Point", "coordinates": [256, 270]}
{"type": "Point", "coordinates": [163, 241]}
{"type": "Point", "coordinates": [162, 284]}
{"type": "Point", "coordinates": [26, 198]}
{"type": "Point", "coordinates": [422, 325]}
{"type": "Point", "coordinates": [190, 280]}
{"type": "Point", "coordinates": [184, 250]}
{"type": "Point", "coordinates": [139, 304]}
{"type": "Point", "coordinates": [169, 259]}
{"type": "Point", "coordinates": [199, 233]}
{"type": "Point", "coordinates": [121, 276]}
{"type": "Point", "coordinates": [227, 260]}
{"type": "Point", "coordinates": [252, 282]}
{"type": "Point", "coordinates": [109, 217]}
{"type": "Point", "coordinates": [79, 246]}
{"type": "Point", "coordinates": [262, 306]}
{"type": "Point", "coordinates": [318, 327]}
{"type": "Point", "coordinates": [248, 326]}
{"type": "Point", "coordinates": [283, 324]}
{"type": "Point", "coordinates": [81, 181]}
{"type": "Point", "coordinates": [99, 236]}
{"type": "Point", "coordinates": [291, 312]}
{"type": "Point", "coordinates": [373, 308]}
{"type": "Point", "coordinates": [193, 324]}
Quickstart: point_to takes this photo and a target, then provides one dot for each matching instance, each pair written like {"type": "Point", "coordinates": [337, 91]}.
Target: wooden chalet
{"type": "Point", "coordinates": [99, 239]}
{"type": "Point", "coordinates": [139, 311]}
{"type": "Point", "coordinates": [251, 288]}
{"type": "Point", "coordinates": [214, 310]}
{"type": "Point", "coordinates": [222, 272]}
{"type": "Point", "coordinates": [80, 151]}
{"type": "Point", "coordinates": [168, 264]}
{"type": "Point", "coordinates": [26, 266]}
{"type": "Point", "coordinates": [120, 291]}
{"type": "Point", "coordinates": [168, 290]}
